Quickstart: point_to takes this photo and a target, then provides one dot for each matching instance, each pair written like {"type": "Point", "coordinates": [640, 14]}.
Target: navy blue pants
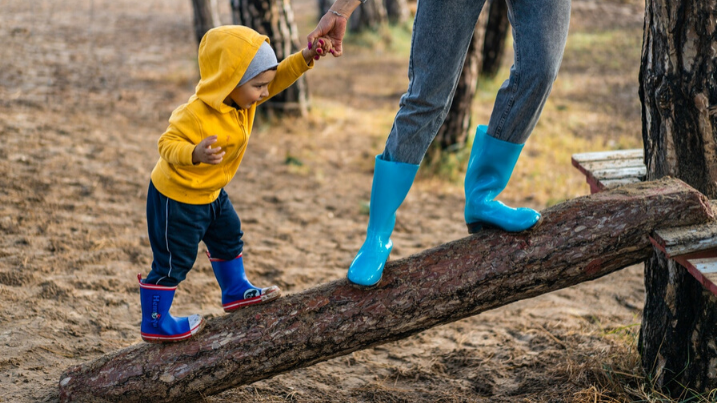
{"type": "Point", "coordinates": [175, 229]}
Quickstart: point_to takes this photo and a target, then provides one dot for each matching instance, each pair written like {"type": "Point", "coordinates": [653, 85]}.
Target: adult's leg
{"type": "Point", "coordinates": [442, 31]}
{"type": "Point", "coordinates": [540, 30]}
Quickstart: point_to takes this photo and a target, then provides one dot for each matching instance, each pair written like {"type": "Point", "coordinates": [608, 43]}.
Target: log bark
{"type": "Point", "coordinates": [496, 32]}
{"type": "Point", "coordinates": [579, 240]}
{"type": "Point", "coordinates": [678, 92]}
{"type": "Point", "coordinates": [275, 19]}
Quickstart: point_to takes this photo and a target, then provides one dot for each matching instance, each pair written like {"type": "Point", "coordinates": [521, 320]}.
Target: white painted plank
{"type": "Point", "coordinates": [684, 240]}
{"type": "Point", "coordinates": [608, 155]}
{"type": "Point", "coordinates": [608, 164]}
{"type": "Point", "coordinates": [619, 173]}
{"type": "Point", "coordinates": [705, 266]}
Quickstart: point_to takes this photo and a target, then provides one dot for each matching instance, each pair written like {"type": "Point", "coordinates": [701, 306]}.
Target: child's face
{"type": "Point", "coordinates": [253, 90]}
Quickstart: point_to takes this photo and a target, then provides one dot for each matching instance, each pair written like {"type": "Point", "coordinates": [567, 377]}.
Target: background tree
{"type": "Point", "coordinates": [275, 19]}
{"type": "Point", "coordinates": [496, 32]}
{"type": "Point", "coordinates": [368, 16]}
{"type": "Point", "coordinates": [678, 91]}
{"type": "Point", "coordinates": [397, 11]}
{"type": "Point", "coordinates": [206, 17]}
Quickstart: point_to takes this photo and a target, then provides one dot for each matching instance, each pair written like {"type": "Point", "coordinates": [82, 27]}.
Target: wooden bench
{"type": "Point", "coordinates": [609, 169]}
{"type": "Point", "coordinates": [694, 248]}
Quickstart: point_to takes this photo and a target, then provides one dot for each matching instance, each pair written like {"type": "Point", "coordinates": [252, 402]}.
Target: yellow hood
{"type": "Point", "coordinates": [224, 55]}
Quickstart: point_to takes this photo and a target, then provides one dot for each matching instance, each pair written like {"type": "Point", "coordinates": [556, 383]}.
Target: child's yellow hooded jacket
{"type": "Point", "coordinates": [224, 55]}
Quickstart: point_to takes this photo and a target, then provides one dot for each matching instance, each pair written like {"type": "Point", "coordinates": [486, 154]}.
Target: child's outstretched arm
{"type": "Point", "coordinates": [291, 68]}
{"type": "Point", "coordinates": [316, 50]}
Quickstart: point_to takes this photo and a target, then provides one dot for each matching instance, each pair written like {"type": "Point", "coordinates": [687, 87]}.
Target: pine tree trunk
{"type": "Point", "coordinates": [496, 32]}
{"type": "Point", "coordinates": [368, 16]}
{"type": "Point", "coordinates": [206, 17]}
{"type": "Point", "coordinates": [453, 133]}
{"type": "Point", "coordinates": [397, 11]}
{"type": "Point", "coordinates": [324, 6]}
{"type": "Point", "coordinates": [677, 90]}
{"type": "Point", "coordinates": [275, 19]}
{"type": "Point", "coordinates": [579, 240]}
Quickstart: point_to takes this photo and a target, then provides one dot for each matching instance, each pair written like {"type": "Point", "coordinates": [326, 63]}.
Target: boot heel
{"type": "Point", "coordinates": [474, 227]}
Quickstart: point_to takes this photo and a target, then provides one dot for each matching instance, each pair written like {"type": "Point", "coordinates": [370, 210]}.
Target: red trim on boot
{"type": "Point", "coordinates": [176, 337]}
{"type": "Point", "coordinates": [213, 259]}
{"type": "Point", "coordinates": [273, 293]}
{"type": "Point", "coordinates": [153, 286]}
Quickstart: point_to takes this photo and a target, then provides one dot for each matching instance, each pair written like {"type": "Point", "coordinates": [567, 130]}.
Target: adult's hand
{"type": "Point", "coordinates": [333, 24]}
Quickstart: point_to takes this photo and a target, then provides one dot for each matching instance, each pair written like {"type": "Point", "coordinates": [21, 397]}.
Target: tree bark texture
{"type": "Point", "coordinates": [275, 19]}
{"type": "Point", "coordinates": [679, 97]}
{"type": "Point", "coordinates": [368, 16]}
{"type": "Point", "coordinates": [206, 17]}
{"type": "Point", "coordinates": [496, 31]}
{"type": "Point", "coordinates": [454, 131]}
{"type": "Point", "coordinates": [397, 11]}
{"type": "Point", "coordinates": [579, 240]}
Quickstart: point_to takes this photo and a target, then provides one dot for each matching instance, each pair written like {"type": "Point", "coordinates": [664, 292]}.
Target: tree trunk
{"type": "Point", "coordinates": [453, 132]}
{"type": "Point", "coordinates": [397, 11]}
{"type": "Point", "coordinates": [324, 6]}
{"type": "Point", "coordinates": [369, 15]}
{"type": "Point", "coordinates": [275, 19]}
{"type": "Point", "coordinates": [579, 240]}
{"type": "Point", "coordinates": [206, 17]}
{"type": "Point", "coordinates": [496, 32]}
{"type": "Point", "coordinates": [677, 90]}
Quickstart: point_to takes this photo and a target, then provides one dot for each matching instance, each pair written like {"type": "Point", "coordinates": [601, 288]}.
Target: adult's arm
{"type": "Point", "coordinates": [333, 26]}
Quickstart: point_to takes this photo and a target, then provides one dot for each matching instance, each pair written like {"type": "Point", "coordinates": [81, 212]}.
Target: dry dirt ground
{"type": "Point", "coordinates": [85, 90]}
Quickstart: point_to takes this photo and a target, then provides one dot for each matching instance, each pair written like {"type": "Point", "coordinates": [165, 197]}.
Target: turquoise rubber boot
{"type": "Point", "coordinates": [158, 326]}
{"type": "Point", "coordinates": [391, 183]}
{"type": "Point", "coordinates": [489, 169]}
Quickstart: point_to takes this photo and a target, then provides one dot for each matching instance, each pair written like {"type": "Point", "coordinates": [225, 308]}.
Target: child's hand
{"type": "Point", "coordinates": [319, 48]}
{"type": "Point", "coordinates": [203, 152]}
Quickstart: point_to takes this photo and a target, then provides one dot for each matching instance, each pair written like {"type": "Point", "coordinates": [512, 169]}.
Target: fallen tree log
{"type": "Point", "coordinates": [579, 240]}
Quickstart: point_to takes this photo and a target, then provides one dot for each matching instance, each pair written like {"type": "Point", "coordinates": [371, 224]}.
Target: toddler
{"type": "Point", "coordinates": [199, 154]}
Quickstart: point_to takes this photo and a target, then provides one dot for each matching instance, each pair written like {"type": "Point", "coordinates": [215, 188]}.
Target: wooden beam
{"type": "Point", "coordinates": [610, 169]}
{"type": "Point", "coordinates": [579, 240]}
{"type": "Point", "coordinates": [688, 240]}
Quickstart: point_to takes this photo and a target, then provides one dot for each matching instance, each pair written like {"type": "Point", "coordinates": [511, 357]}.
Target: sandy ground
{"type": "Point", "coordinates": [85, 91]}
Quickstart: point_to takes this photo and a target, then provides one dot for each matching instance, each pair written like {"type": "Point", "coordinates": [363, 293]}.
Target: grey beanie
{"type": "Point", "coordinates": [264, 60]}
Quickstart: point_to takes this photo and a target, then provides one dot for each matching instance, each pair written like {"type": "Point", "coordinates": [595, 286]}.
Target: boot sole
{"type": "Point", "coordinates": [365, 287]}
{"type": "Point", "coordinates": [268, 297]}
{"type": "Point", "coordinates": [166, 341]}
{"type": "Point", "coordinates": [475, 227]}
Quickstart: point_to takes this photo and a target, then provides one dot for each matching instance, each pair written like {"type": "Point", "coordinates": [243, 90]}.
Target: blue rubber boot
{"type": "Point", "coordinates": [158, 326]}
{"type": "Point", "coordinates": [391, 183]}
{"type": "Point", "coordinates": [489, 169]}
{"type": "Point", "coordinates": [237, 291]}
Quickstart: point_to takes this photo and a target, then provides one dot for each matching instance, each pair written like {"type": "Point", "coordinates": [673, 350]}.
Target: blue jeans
{"type": "Point", "coordinates": [442, 32]}
{"type": "Point", "coordinates": [175, 229]}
